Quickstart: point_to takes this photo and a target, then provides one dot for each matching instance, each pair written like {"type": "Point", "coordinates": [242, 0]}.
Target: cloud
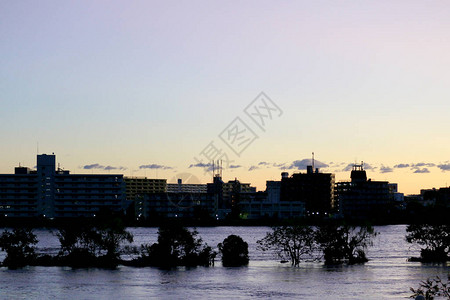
{"type": "Point", "coordinates": [349, 167]}
{"type": "Point", "coordinates": [424, 170]}
{"type": "Point", "coordinates": [93, 166]}
{"type": "Point", "coordinates": [108, 168]}
{"type": "Point", "coordinates": [401, 166]}
{"type": "Point", "coordinates": [368, 167]}
{"type": "Point", "coordinates": [280, 165]}
{"type": "Point", "coordinates": [422, 164]}
{"type": "Point", "coordinates": [444, 167]}
{"type": "Point", "coordinates": [252, 168]}
{"type": "Point", "coordinates": [301, 164]}
{"type": "Point", "coordinates": [269, 164]}
{"type": "Point", "coordinates": [154, 166]}
{"type": "Point", "coordinates": [384, 169]}
{"type": "Point", "coordinates": [207, 166]}
{"type": "Point", "coordinates": [200, 165]}
{"type": "Point", "coordinates": [234, 166]}
{"type": "Point", "coordinates": [100, 167]}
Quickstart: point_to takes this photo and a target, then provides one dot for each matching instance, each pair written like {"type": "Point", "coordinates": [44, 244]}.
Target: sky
{"type": "Point", "coordinates": [158, 88]}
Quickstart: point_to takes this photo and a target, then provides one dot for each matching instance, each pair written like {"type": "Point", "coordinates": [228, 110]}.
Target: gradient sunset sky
{"type": "Point", "coordinates": [142, 87]}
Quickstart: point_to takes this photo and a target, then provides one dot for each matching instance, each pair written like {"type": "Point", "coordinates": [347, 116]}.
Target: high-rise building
{"type": "Point", "coordinates": [313, 188]}
{"type": "Point", "coordinates": [363, 198]}
{"type": "Point", "coordinates": [55, 193]}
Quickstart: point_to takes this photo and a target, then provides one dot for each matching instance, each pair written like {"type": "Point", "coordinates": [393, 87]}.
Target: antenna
{"type": "Point", "coordinates": [313, 161]}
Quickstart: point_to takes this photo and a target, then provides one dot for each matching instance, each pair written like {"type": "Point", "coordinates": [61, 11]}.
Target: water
{"type": "Point", "coordinates": [386, 276]}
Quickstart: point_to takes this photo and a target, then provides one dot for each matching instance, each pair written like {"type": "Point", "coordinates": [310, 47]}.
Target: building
{"type": "Point", "coordinates": [181, 187]}
{"type": "Point", "coordinates": [363, 198]}
{"type": "Point", "coordinates": [267, 204]}
{"type": "Point", "coordinates": [176, 205]}
{"type": "Point", "coordinates": [177, 201]}
{"type": "Point", "coordinates": [432, 197]}
{"type": "Point", "coordinates": [55, 193]}
{"type": "Point", "coordinates": [313, 188]}
{"type": "Point", "coordinates": [227, 196]}
{"type": "Point", "coordinates": [137, 186]}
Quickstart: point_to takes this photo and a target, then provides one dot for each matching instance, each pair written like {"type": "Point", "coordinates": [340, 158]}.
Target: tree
{"type": "Point", "coordinates": [292, 243]}
{"type": "Point", "coordinates": [19, 247]}
{"type": "Point", "coordinates": [78, 239]}
{"type": "Point", "coordinates": [434, 238]}
{"type": "Point", "coordinates": [432, 287]}
{"type": "Point", "coordinates": [89, 245]}
{"type": "Point", "coordinates": [234, 251]}
{"type": "Point", "coordinates": [339, 243]}
{"type": "Point", "coordinates": [176, 246]}
{"type": "Point", "coordinates": [112, 235]}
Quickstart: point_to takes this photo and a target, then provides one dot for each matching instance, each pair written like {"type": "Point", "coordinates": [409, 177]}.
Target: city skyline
{"type": "Point", "coordinates": [216, 167]}
{"type": "Point", "coordinates": [143, 88]}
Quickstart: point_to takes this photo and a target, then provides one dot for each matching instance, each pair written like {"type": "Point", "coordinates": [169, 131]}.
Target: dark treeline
{"type": "Point", "coordinates": [102, 244]}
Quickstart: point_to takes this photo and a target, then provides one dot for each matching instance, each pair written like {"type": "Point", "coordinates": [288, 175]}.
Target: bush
{"type": "Point", "coordinates": [234, 251]}
{"type": "Point", "coordinates": [434, 238]}
{"type": "Point", "coordinates": [19, 247]}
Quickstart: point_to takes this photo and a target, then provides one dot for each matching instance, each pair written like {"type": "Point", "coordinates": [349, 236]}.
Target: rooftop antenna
{"type": "Point", "coordinates": [313, 161]}
{"type": "Point", "coordinates": [221, 168]}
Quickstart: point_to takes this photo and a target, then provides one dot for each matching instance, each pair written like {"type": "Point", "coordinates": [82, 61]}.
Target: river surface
{"type": "Point", "coordinates": [387, 275]}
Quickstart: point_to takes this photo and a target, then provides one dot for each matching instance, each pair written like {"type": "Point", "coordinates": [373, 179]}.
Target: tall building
{"type": "Point", "coordinates": [54, 193]}
{"type": "Point", "coordinates": [313, 188]}
{"type": "Point", "coordinates": [363, 198]}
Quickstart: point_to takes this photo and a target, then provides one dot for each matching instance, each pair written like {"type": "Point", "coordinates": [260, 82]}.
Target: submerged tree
{"type": "Point", "coordinates": [292, 243]}
{"type": "Point", "coordinates": [431, 288]}
{"type": "Point", "coordinates": [343, 243]}
{"type": "Point", "coordinates": [234, 251]}
{"type": "Point", "coordinates": [19, 247]}
{"type": "Point", "coordinates": [176, 246]}
{"type": "Point", "coordinates": [434, 238]}
{"type": "Point", "coordinates": [78, 239]}
{"type": "Point", "coordinates": [112, 235]}
{"type": "Point", "coordinates": [90, 245]}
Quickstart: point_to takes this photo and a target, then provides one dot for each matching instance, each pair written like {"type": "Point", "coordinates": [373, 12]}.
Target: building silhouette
{"type": "Point", "coordinates": [55, 193]}
{"type": "Point", "coordinates": [363, 198]}
{"type": "Point", "coordinates": [313, 188]}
